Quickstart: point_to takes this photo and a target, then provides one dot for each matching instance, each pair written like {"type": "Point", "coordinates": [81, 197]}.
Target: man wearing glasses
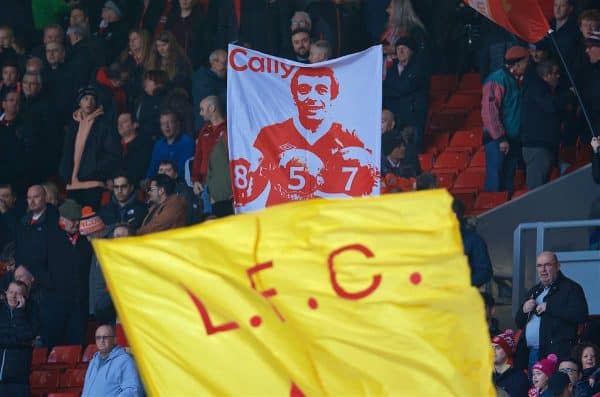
{"type": "Point", "coordinates": [571, 368]}
{"type": "Point", "coordinates": [167, 211]}
{"type": "Point", "coordinates": [551, 314]}
{"type": "Point", "coordinates": [112, 371]}
{"type": "Point", "coordinates": [124, 206]}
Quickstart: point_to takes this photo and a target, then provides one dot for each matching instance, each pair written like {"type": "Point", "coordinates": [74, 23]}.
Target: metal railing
{"type": "Point", "coordinates": [518, 279]}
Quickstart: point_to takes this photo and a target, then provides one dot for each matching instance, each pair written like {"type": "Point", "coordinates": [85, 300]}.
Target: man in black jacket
{"type": "Point", "coordinates": [17, 331]}
{"type": "Point", "coordinates": [506, 376]}
{"type": "Point", "coordinates": [64, 282]}
{"type": "Point", "coordinates": [551, 314]}
{"type": "Point", "coordinates": [135, 149]}
{"type": "Point", "coordinates": [542, 112]}
{"type": "Point", "coordinates": [32, 232]}
{"type": "Point", "coordinates": [124, 206]}
{"type": "Point", "coordinates": [406, 89]}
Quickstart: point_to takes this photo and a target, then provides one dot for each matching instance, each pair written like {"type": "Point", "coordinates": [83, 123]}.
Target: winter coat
{"type": "Point", "coordinates": [135, 158]}
{"type": "Point", "coordinates": [17, 332]}
{"type": "Point", "coordinates": [179, 151]}
{"type": "Point", "coordinates": [205, 83]}
{"type": "Point", "coordinates": [114, 39]}
{"type": "Point", "coordinates": [477, 256]}
{"type": "Point", "coordinates": [170, 214]}
{"type": "Point", "coordinates": [513, 381]}
{"type": "Point", "coordinates": [132, 213]}
{"type": "Point", "coordinates": [114, 376]}
{"type": "Point", "coordinates": [101, 153]}
{"type": "Point", "coordinates": [566, 309]}
{"type": "Point", "coordinates": [501, 107]}
{"type": "Point", "coordinates": [148, 114]}
{"type": "Point", "coordinates": [191, 34]}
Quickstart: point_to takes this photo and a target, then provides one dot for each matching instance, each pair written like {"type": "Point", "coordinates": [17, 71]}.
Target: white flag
{"type": "Point", "coordinates": [299, 131]}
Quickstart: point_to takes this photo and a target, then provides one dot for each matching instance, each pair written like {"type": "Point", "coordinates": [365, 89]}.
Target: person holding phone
{"type": "Point", "coordinates": [17, 333]}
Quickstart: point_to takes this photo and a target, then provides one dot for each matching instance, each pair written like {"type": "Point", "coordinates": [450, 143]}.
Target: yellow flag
{"type": "Point", "coordinates": [361, 297]}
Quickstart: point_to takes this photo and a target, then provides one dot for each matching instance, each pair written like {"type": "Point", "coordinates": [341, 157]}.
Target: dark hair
{"type": "Point", "coordinates": [459, 209]}
{"type": "Point", "coordinates": [165, 182]}
{"type": "Point", "coordinates": [8, 252]}
{"type": "Point", "coordinates": [10, 64]}
{"type": "Point", "coordinates": [168, 111]}
{"type": "Point", "coordinates": [130, 113]}
{"type": "Point", "coordinates": [7, 186]}
{"type": "Point", "coordinates": [80, 8]}
{"type": "Point", "coordinates": [300, 30]}
{"type": "Point", "coordinates": [114, 70]}
{"type": "Point", "coordinates": [160, 77]}
{"type": "Point", "coordinates": [7, 92]}
{"type": "Point", "coordinates": [577, 352]}
{"type": "Point", "coordinates": [22, 285]}
{"type": "Point", "coordinates": [545, 67]}
{"type": "Point", "coordinates": [122, 174]}
{"type": "Point", "coordinates": [426, 181]}
{"type": "Point", "coordinates": [169, 162]}
{"type": "Point", "coordinates": [570, 360]}
{"type": "Point", "coordinates": [315, 72]}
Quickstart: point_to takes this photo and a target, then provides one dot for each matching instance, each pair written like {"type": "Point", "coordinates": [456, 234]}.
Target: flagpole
{"type": "Point", "coordinates": [575, 90]}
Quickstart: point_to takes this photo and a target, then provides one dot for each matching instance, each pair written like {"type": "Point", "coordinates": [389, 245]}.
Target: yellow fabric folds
{"type": "Point", "coordinates": [361, 297]}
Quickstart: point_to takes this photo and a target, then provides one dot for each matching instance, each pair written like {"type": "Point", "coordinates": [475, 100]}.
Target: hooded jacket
{"type": "Point", "coordinates": [16, 335]}
{"type": "Point", "coordinates": [114, 376]}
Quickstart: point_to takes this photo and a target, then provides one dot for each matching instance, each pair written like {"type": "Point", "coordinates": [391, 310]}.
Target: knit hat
{"type": "Point", "coordinates": [516, 53]}
{"type": "Point", "coordinates": [407, 42]}
{"type": "Point", "coordinates": [547, 365]}
{"type": "Point", "coordinates": [593, 40]}
{"type": "Point", "coordinates": [70, 209]}
{"type": "Point", "coordinates": [558, 383]}
{"type": "Point", "coordinates": [90, 222]}
{"type": "Point", "coordinates": [506, 341]}
{"type": "Point", "coordinates": [111, 5]}
{"type": "Point", "coordinates": [87, 90]}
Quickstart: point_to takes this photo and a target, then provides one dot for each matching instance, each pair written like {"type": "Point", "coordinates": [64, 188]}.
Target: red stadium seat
{"type": "Point", "coordinates": [39, 357]}
{"type": "Point", "coordinates": [471, 179]}
{"type": "Point", "coordinates": [446, 120]}
{"type": "Point", "coordinates": [43, 381]}
{"type": "Point", "coordinates": [470, 139]}
{"type": "Point", "coordinates": [63, 357]}
{"type": "Point", "coordinates": [470, 82]}
{"type": "Point", "coordinates": [426, 162]}
{"type": "Point", "coordinates": [478, 160]}
{"type": "Point", "coordinates": [458, 160]}
{"type": "Point", "coordinates": [445, 179]}
{"type": "Point", "coordinates": [88, 354]}
{"type": "Point", "coordinates": [583, 154]}
{"type": "Point", "coordinates": [489, 200]}
{"type": "Point", "coordinates": [467, 196]}
{"type": "Point", "coordinates": [72, 380]}
{"type": "Point", "coordinates": [554, 173]}
{"type": "Point", "coordinates": [442, 83]}
{"type": "Point", "coordinates": [474, 119]}
{"type": "Point", "coordinates": [519, 182]}
{"type": "Point", "coordinates": [466, 102]}
{"type": "Point", "coordinates": [568, 154]}
{"type": "Point", "coordinates": [519, 193]}
{"type": "Point", "coordinates": [436, 143]}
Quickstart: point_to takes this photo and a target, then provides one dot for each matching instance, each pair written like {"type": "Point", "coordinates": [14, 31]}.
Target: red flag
{"type": "Point", "coordinates": [521, 17]}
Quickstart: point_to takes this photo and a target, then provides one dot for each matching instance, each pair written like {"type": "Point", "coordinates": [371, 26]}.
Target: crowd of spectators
{"type": "Point", "coordinates": [113, 124]}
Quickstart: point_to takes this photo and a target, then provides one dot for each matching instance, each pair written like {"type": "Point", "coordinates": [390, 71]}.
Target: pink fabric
{"type": "Point", "coordinates": [491, 109]}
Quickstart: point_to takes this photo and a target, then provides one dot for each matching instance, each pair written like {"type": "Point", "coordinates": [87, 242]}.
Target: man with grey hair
{"type": "Point", "coordinates": [211, 81]}
{"type": "Point", "coordinates": [300, 20]}
{"type": "Point", "coordinates": [550, 315]}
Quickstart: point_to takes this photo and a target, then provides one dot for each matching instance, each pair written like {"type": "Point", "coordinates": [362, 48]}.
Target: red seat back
{"type": "Point", "coordinates": [474, 119]}
{"type": "Point", "coordinates": [470, 179]}
{"type": "Point", "coordinates": [470, 82]}
{"type": "Point", "coordinates": [463, 101]}
{"type": "Point", "coordinates": [469, 138]}
{"type": "Point", "coordinates": [426, 161]}
{"type": "Point", "coordinates": [478, 160]}
{"type": "Point", "coordinates": [39, 356]}
{"type": "Point", "coordinates": [445, 179]}
{"type": "Point", "coordinates": [442, 83]}
{"type": "Point", "coordinates": [489, 200]}
{"type": "Point", "coordinates": [72, 378]}
{"type": "Point", "coordinates": [65, 355]}
{"type": "Point", "coordinates": [437, 142]}
{"type": "Point", "coordinates": [88, 353]}
{"type": "Point", "coordinates": [44, 381]}
{"type": "Point", "coordinates": [458, 160]}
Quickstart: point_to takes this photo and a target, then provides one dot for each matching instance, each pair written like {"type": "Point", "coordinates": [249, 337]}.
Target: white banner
{"type": "Point", "coordinates": [299, 131]}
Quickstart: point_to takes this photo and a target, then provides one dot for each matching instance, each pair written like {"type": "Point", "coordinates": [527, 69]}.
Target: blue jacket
{"type": "Point", "coordinates": [179, 151]}
{"type": "Point", "coordinates": [114, 376]}
{"type": "Point", "coordinates": [477, 254]}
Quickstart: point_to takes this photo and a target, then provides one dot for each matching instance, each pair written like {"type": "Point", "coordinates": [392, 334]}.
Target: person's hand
{"type": "Point", "coordinates": [504, 147]}
{"type": "Point", "coordinates": [528, 305]}
{"type": "Point", "coordinates": [197, 188]}
{"type": "Point", "coordinates": [592, 381]}
{"type": "Point", "coordinates": [541, 308]}
{"type": "Point", "coordinates": [3, 206]}
{"type": "Point", "coordinates": [20, 301]}
{"type": "Point", "coordinates": [595, 144]}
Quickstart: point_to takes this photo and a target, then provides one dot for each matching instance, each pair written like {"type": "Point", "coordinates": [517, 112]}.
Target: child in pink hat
{"type": "Point", "coordinates": [541, 373]}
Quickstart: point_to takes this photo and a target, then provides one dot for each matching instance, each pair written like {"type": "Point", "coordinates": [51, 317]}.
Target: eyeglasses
{"type": "Point", "coordinates": [567, 370]}
{"type": "Point", "coordinates": [151, 188]}
{"type": "Point", "coordinates": [104, 337]}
